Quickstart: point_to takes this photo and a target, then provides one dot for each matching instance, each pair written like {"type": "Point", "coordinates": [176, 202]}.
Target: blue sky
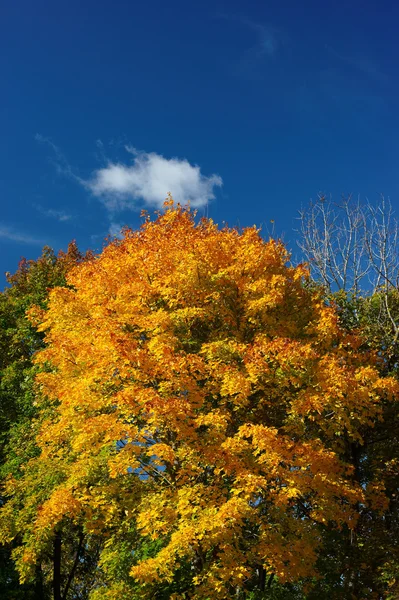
{"type": "Point", "coordinates": [247, 109]}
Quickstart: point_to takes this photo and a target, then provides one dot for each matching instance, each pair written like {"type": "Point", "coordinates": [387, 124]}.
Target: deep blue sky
{"type": "Point", "coordinates": [280, 99]}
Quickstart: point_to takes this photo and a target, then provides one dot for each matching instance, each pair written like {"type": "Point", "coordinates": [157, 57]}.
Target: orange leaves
{"type": "Point", "coordinates": [236, 386]}
{"type": "Point", "coordinates": [229, 385]}
{"type": "Point", "coordinates": [120, 463]}
{"type": "Point", "coordinates": [164, 452]}
{"type": "Point", "coordinates": [61, 503]}
{"type": "Point", "coordinates": [299, 552]}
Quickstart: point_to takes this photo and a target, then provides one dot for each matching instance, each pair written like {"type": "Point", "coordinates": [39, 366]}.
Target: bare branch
{"type": "Point", "coordinates": [354, 248]}
{"type": "Point", "coordinates": [351, 246]}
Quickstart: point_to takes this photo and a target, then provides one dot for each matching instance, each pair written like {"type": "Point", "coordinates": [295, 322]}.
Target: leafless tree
{"type": "Point", "coordinates": [353, 247]}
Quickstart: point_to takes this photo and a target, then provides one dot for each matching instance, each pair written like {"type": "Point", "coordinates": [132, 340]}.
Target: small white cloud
{"type": "Point", "coordinates": [53, 213]}
{"type": "Point", "coordinates": [7, 233]}
{"type": "Point", "coordinates": [149, 179]}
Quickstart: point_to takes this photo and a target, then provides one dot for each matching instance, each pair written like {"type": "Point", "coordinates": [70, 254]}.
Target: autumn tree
{"type": "Point", "coordinates": [201, 405]}
{"type": "Point", "coordinates": [20, 415]}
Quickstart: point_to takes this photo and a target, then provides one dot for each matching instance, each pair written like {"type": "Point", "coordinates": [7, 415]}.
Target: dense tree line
{"type": "Point", "coordinates": [189, 415]}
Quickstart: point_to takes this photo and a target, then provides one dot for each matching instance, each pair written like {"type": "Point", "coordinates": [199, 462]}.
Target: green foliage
{"type": "Point", "coordinates": [365, 563]}
{"type": "Point", "coordinates": [19, 417]}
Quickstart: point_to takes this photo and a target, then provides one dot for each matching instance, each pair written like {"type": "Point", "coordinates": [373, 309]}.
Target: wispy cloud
{"type": "Point", "coordinates": [268, 38]}
{"type": "Point", "coordinates": [266, 41]}
{"type": "Point", "coordinates": [52, 213]}
{"type": "Point", "coordinates": [149, 179]}
{"type": "Point", "coordinates": [8, 233]}
{"type": "Point", "coordinates": [115, 230]}
{"type": "Point", "coordinates": [360, 62]}
{"type": "Point", "coordinates": [57, 158]}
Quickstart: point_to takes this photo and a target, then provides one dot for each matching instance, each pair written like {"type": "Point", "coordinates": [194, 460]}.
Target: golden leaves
{"type": "Point", "coordinates": [229, 384]}
{"type": "Point", "coordinates": [62, 502]}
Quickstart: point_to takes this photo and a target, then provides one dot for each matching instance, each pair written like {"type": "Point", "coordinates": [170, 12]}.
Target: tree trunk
{"type": "Point", "coordinates": [74, 566]}
{"type": "Point", "coordinates": [39, 589]}
{"type": "Point", "coordinates": [262, 579]}
{"type": "Point", "coordinates": [57, 567]}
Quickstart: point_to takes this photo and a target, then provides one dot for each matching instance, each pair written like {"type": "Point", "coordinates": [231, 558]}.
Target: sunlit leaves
{"type": "Point", "coordinates": [203, 396]}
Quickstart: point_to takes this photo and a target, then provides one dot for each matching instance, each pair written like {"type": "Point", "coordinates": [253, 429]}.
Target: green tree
{"type": "Point", "coordinates": [19, 415]}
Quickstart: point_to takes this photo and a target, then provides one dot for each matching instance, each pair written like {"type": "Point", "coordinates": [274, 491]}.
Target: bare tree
{"type": "Point", "coordinates": [354, 247]}
{"type": "Point", "coordinates": [351, 246]}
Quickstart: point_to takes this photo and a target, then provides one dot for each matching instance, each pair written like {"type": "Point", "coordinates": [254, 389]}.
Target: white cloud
{"type": "Point", "coordinates": [7, 233]}
{"type": "Point", "coordinates": [149, 179]}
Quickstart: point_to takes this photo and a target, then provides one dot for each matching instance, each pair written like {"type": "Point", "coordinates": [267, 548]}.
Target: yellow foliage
{"type": "Point", "coordinates": [229, 385]}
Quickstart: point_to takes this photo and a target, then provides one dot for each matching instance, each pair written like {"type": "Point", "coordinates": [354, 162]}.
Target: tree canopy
{"type": "Point", "coordinates": [201, 408]}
